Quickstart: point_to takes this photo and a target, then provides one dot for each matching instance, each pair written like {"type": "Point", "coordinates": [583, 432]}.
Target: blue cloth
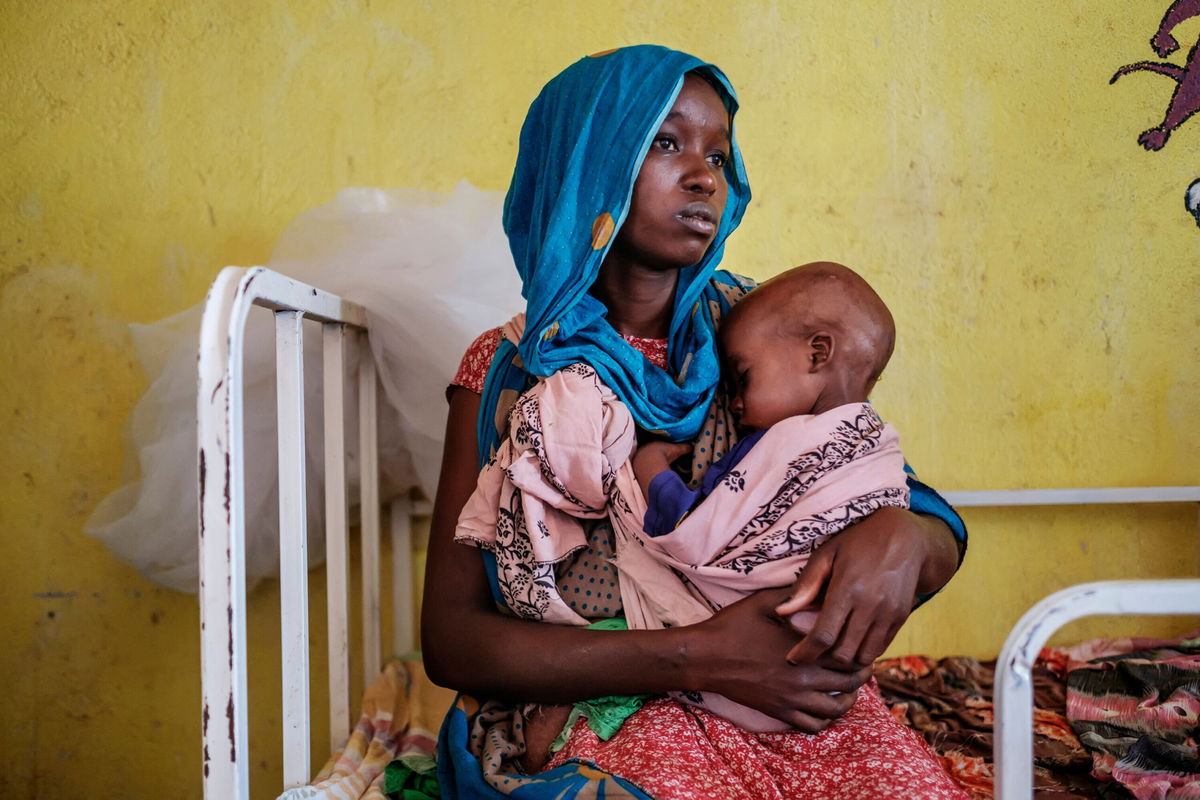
{"type": "Point", "coordinates": [581, 147]}
{"type": "Point", "coordinates": [923, 499]}
{"type": "Point", "coordinates": [670, 499]}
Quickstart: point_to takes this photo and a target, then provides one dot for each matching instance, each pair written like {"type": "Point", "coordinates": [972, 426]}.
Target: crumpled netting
{"type": "Point", "coordinates": [432, 270]}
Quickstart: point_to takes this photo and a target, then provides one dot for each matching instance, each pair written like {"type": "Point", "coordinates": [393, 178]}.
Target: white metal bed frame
{"type": "Point", "coordinates": [221, 462]}
{"type": "Point", "coordinates": [222, 543]}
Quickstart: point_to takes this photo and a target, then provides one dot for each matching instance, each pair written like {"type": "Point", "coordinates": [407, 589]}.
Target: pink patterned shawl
{"type": "Point", "coordinates": [567, 457]}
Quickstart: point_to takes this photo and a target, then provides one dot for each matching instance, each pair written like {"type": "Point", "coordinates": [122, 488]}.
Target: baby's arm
{"type": "Point", "coordinates": [653, 458]}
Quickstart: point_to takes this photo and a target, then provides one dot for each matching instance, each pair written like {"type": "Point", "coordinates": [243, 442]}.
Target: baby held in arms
{"type": "Point", "coordinates": [801, 353]}
{"type": "Point", "coordinates": [807, 342]}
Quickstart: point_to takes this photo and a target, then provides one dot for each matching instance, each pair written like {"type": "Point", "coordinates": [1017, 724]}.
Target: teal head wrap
{"type": "Point", "coordinates": [581, 148]}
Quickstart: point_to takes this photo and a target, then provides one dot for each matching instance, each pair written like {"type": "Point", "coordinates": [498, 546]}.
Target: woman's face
{"type": "Point", "coordinates": [680, 192]}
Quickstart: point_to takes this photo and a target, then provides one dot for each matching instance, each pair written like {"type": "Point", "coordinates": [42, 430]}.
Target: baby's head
{"type": "Point", "coordinates": [806, 341]}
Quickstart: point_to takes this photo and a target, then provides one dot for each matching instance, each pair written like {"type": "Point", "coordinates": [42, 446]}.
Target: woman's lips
{"type": "Point", "coordinates": [699, 217]}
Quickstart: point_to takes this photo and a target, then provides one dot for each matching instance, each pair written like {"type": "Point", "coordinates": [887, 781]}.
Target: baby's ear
{"type": "Point", "coordinates": [820, 347]}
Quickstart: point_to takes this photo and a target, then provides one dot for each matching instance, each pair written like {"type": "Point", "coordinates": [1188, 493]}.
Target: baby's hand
{"type": "Point", "coordinates": [660, 452]}
{"type": "Point", "coordinates": [655, 457]}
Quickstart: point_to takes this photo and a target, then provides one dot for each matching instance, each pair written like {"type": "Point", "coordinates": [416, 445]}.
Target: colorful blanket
{"type": "Point", "coordinates": [566, 459]}
{"type": "Point", "coordinates": [401, 712]}
{"type": "Point", "coordinates": [1112, 718]}
{"type": "Point", "coordinates": [949, 702]}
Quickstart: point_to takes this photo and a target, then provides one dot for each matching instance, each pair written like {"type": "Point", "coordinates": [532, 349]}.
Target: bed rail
{"type": "Point", "coordinates": [221, 465]}
{"type": "Point", "coordinates": [1013, 742]}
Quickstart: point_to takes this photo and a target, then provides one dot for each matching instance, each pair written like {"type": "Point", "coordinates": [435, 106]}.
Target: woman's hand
{"type": "Point", "coordinates": [870, 575]}
{"type": "Point", "coordinates": [739, 653]}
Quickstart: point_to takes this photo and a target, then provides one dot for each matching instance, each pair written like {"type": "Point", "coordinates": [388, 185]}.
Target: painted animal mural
{"type": "Point", "coordinates": [1186, 100]}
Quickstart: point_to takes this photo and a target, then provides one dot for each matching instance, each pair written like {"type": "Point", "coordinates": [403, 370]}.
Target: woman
{"type": "Point", "coordinates": [627, 184]}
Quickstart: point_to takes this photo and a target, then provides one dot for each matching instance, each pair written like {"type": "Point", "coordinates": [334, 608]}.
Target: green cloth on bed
{"type": "Point", "coordinates": [411, 777]}
{"type": "Point", "coordinates": [604, 715]}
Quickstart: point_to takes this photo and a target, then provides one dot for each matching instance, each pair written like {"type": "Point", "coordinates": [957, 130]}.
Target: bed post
{"type": "Point", "coordinates": [337, 548]}
{"type": "Point", "coordinates": [368, 453]}
{"type": "Point", "coordinates": [293, 547]}
{"type": "Point", "coordinates": [222, 544]}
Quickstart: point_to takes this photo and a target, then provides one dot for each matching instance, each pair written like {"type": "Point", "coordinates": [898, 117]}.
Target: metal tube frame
{"type": "Point", "coordinates": [222, 528]}
{"type": "Point", "coordinates": [337, 547]}
{"type": "Point", "coordinates": [1013, 743]}
{"type": "Point", "coordinates": [1073, 497]}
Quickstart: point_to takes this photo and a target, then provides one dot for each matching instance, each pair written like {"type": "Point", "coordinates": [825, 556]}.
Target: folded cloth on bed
{"type": "Point", "coordinates": [566, 458]}
{"type": "Point", "coordinates": [401, 712]}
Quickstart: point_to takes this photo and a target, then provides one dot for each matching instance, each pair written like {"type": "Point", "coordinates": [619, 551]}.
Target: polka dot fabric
{"type": "Point", "coordinates": [678, 753]}
{"type": "Point", "coordinates": [588, 581]}
{"type": "Point", "coordinates": [473, 369]}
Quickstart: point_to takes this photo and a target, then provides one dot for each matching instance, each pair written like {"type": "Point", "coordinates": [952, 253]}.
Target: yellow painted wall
{"type": "Point", "coordinates": [970, 158]}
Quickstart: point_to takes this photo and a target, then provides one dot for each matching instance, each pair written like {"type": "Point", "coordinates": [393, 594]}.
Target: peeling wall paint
{"type": "Point", "coordinates": [970, 159]}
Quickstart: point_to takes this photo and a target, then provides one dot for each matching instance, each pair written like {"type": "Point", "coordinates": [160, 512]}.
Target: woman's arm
{"type": "Point", "coordinates": [871, 574]}
{"type": "Point", "coordinates": [469, 645]}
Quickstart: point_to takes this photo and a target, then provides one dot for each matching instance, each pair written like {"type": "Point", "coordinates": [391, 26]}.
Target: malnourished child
{"type": "Point", "coordinates": [802, 353]}
{"type": "Point", "coordinates": [803, 344]}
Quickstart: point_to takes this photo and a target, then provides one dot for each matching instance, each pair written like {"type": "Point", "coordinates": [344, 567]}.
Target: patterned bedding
{"type": "Point", "coordinates": [1112, 718]}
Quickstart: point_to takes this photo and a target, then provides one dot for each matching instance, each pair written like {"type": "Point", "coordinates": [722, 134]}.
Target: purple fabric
{"type": "Point", "coordinates": [671, 500]}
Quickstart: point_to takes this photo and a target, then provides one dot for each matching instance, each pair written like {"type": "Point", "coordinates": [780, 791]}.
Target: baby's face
{"type": "Point", "coordinates": [768, 373]}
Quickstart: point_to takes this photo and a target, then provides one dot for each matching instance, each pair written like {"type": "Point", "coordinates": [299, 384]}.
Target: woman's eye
{"type": "Point", "coordinates": [717, 159]}
{"type": "Point", "coordinates": [665, 143]}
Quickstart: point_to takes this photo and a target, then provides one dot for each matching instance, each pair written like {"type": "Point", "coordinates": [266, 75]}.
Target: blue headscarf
{"type": "Point", "coordinates": [581, 148]}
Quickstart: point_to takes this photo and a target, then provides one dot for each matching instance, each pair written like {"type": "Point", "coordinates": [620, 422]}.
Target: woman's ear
{"type": "Point", "coordinates": [820, 347]}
